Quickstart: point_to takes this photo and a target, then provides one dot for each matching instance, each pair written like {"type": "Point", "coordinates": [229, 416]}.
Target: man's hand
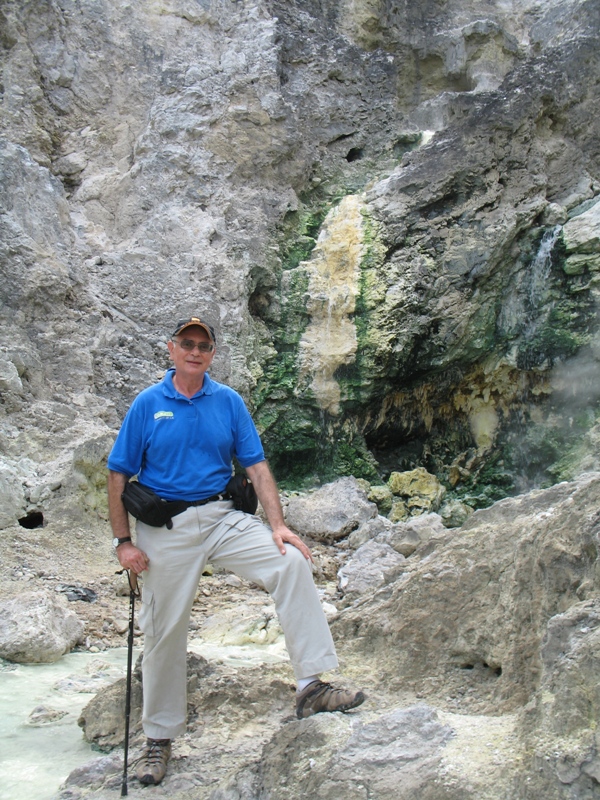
{"type": "Point", "coordinates": [267, 492]}
{"type": "Point", "coordinates": [284, 534]}
{"type": "Point", "coordinates": [131, 557]}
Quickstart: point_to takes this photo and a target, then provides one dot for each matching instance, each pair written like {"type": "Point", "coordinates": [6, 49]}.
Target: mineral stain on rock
{"type": "Point", "coordinates": [329, 341]}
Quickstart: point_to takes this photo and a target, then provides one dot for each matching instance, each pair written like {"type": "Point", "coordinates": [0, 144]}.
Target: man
{"type": "Point", "coordinates": [179, 437]}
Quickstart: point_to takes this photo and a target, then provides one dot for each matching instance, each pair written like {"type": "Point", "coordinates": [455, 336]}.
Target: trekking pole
{"type": "Point", "coordinates": [133, 593]}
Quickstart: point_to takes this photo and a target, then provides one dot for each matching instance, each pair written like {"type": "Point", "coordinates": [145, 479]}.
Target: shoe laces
{"type": "Point", "coordinates": [154, 751]}
{"type": "Point", "coordinates": [318, 688]}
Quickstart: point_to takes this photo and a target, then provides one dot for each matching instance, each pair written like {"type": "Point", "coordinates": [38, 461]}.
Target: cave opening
{"type": "Point", "coordinates": [34, 519]}
{"type": "Point", "coordinates": [354, 154]}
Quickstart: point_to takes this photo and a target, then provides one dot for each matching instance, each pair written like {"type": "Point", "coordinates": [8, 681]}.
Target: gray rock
{"type": "Point", "coordinates": [94, 773]}
{"type": "Point", "coordinates": [331, 512]}
{"type": "Point", "coordinates": [11, 387]}
{"type": "Point", "coordinates": [45, 715]}
{"type": "Point", "coordinates": [36, 628]}
{"type": "Point", "coordinates": [374, 564]}
{"type": "Point", "coordinates": [396, 755]}
{"type": "Point", "coordinates": [582, 233]}
{"type": "Point", "coordinates": [103, 718]}
{"type": "Point", "coordinates": [406, 537]}
{"type": "Point", "coordinates": [12, 496]}
{"type": "Point", "coordinates": [474, 609]}
{"type": "Point", "coordinates": [377, 526]}
{"type": "Point", "coordinates": [557, 722]}
{"type": "Point", "coordinates": [570, 658]}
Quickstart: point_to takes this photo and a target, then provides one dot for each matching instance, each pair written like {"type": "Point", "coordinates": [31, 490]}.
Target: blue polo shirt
{"type": "Point", "coordinates": [182, 447]}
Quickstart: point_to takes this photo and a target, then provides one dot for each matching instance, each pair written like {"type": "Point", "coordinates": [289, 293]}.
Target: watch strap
{"type": "Point", "coordinates": [117, 542]}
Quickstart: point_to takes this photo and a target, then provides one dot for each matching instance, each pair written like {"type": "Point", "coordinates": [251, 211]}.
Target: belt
{"type": "Point", "coordinates": [213, 499]}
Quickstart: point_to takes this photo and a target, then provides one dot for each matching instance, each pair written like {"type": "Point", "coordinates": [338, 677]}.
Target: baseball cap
{"type": "Point", "coordinates": [182, 324]}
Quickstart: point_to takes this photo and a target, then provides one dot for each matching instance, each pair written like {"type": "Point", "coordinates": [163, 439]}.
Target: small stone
{"type": "Point", "coordinates": [121, 625]}
{"type": "Point", "coordinates": [382, 497]}
{"type": "Point", "coordinates": [399, 511]}
{"type": "Point", "coordinates": [45, 715]}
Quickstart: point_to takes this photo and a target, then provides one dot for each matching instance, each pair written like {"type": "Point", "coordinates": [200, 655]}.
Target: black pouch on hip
{"type": "Point", "coordinates": [145, 505]}
{"type": "Point", "coordinates": [243, 494]}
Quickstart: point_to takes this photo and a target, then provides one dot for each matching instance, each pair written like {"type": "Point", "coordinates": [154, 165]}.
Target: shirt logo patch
{"type": "Point", "coordinates": [163, 415]}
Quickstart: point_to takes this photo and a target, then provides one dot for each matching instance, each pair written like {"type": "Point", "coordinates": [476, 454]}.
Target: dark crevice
{"type": "Point", "coordinates": [34, 519]}
{"type": "Point", "coordinates": [354, 154]}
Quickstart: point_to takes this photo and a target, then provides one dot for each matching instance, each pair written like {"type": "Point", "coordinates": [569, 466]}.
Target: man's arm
{"type": "Point", "coordinates": [130, 556]}
{"type": "Point", "coordinates": [267, 492]}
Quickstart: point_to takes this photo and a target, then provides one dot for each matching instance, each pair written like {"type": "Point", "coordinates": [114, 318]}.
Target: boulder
{"type": "Point", "coordinates": [331, 512]}
{"type": "Point", "coordinates": [406, 537]}
{"type": "Point", "coordinates": [472, 612]}
{"type": "Point", "coordinates": [399, 511]}
{"type": "Point", "coordinates": [372, 528]}
{"type": "Point", "coordinates": [396, 755]}
{"type": "Point", "coordinates": [37, 628]}
{"type": "Point", "coordinates": [103, 718]}
{"type": "Point", "coordinates": [454, 513]}
{"type": "Point", "coordinates": [373, 565]}
{"type": "Point", "coordinates": [420, 490]}
{"type": "Point", "coordinates": [381, 495]}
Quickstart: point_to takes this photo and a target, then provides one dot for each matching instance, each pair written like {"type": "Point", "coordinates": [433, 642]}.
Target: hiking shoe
{"type": "Point", "coordinates": [153, 761]}
{"type": "Point", "coordinates": [319, 696]}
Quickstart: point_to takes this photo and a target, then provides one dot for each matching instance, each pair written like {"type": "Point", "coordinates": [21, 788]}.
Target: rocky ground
{"type": "Point", "coordinates": [81, 562]}
{"type": "Point", "coordinates": [478, 648]}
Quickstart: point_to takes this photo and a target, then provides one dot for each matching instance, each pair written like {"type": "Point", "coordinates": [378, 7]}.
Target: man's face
{"type": "Point", "coordinates": [190, 362]}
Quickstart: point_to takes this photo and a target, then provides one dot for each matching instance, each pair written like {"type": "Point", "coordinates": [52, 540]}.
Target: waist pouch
{"type": "Point", "coordinates": [151, 509]}
{"type": "Point", "coordinates": [145, 505]}
{"type": "Point", "coordinates": [243, 494]}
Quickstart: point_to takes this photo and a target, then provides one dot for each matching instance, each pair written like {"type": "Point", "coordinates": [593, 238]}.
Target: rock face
{"type": "Point", "coordinates": [476, 601]}
{"type": "Point", "coordinates": [37, 628]}
{"type": "Point", "coordinates": [465, 301]}
{"type": "Point", "coordinates": [567, 698]}
{"type": "Point", "coordinates": [390, 215]}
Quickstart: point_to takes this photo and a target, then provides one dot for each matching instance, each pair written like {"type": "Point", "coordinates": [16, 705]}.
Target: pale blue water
{"type": "Point", "coordinates": [36, 759]}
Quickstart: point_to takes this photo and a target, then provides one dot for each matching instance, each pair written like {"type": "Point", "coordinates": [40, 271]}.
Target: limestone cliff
{"type": "Point", "coordinates": [387, 211]}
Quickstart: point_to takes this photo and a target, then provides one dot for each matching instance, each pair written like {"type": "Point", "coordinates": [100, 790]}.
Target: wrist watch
{"type": "Point", "coordinates": [117, 541]}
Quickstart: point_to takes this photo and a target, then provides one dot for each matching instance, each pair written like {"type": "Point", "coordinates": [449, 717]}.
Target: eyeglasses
{"type": "Point", "coordinates": [189, 345]}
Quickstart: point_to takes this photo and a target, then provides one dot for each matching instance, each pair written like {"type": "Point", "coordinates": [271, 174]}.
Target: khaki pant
{"type": "Point", "coordinates": [218, 534]}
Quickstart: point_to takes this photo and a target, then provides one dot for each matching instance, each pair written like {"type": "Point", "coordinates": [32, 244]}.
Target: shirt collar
{"type": "Point", "coordinates": [170, 391]}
